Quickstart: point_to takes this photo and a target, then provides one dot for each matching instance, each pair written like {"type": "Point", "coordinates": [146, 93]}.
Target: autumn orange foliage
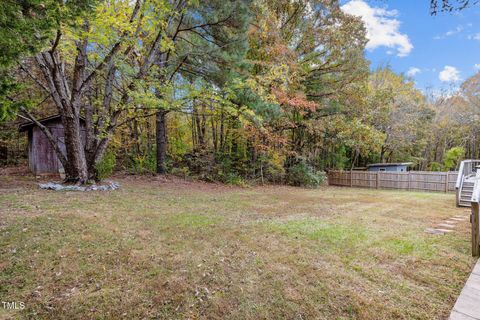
{"type": "Point", "coordinates": [297, 100]}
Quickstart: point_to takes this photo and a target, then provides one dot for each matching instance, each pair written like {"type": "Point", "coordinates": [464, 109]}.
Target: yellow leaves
{"type": "Point", "coordinates": [358, 135]}
{"type": "Point", "coordinates": [167, 44]}
{"type": "Point", "coordinates": [246, 116]}
{"type": "Point", "coordinates": [111, 21]}
{"type": "Point", "coordinates": [146, 99]}
{"type": "Point", "coordinates": [256, 86]}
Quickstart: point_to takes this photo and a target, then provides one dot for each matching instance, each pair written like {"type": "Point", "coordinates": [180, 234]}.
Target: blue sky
{"type": "Point", "coordinates": [439, 51]}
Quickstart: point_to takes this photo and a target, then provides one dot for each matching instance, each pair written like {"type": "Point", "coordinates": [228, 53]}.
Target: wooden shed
{"type": "Point", "coordinates": [41, 155]}
{"type": "Point", "coordinates": [391, 167]}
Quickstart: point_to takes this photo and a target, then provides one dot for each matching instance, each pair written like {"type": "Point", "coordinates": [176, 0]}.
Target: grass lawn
{"type": "Point", "coordinates": [158, 249]}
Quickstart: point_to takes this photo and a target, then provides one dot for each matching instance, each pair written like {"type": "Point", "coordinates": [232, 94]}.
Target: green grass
{"type": "Point", "coordinates": [177, 250]}
{"type": "Point", "coordinates": [329, 235]}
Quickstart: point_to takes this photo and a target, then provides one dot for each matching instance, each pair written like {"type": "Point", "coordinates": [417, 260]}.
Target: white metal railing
{"type": "Point", "coordinates": [474, 218]}
{"type": "Point", "coordinates": [476, 188]}
{"type": "Point", "coordinates": [467, 167]}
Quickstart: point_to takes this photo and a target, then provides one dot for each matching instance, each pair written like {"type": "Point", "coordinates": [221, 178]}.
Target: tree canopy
{"type": "Point", "coordinates": [224, 90]}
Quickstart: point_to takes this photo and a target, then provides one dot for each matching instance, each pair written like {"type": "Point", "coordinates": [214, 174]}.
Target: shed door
{"type": "Point", "coordinates": [45, 158]}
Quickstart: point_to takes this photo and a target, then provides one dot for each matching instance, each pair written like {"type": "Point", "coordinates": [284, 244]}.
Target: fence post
{"type": "Point", "coordinates": [351, 178]}
{"type": "Point", "coordinates": [377, 179]}
{"type": "Point", "coordinates": [408, 177]}
{"type": "Point", "coordinates": [446, 182]}
{"type": "Point", "coordinates": [474, 219]}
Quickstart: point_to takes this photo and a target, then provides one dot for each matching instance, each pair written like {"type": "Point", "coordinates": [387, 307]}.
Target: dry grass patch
{"type": "Point", "coordinates": [172, 249]}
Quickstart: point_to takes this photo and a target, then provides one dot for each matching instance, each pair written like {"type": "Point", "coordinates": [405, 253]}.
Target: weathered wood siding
{"type": "Point", "coordinates": [41, 155]}
{"type": "Point", "coordinates": [413, 180]}
{"type": "Point", "coordinates": [44, 159]}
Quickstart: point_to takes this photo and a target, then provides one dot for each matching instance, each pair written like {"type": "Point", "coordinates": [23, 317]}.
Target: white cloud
{"type": "Point", "coordinates": [382, 27]}
{"type": "Point", "coordinates": [413, 71]}
{"type": "Point", "coordinates": [449, 74]}
{"type": "Point", "coordinates": [452, 32]}
{"type": "Point", "coordinates": [475, 36]}
{"type": "Point", "coordinates": [476, 66]}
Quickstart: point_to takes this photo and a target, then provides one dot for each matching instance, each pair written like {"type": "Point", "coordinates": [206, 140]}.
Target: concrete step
{"type": "Point", "coordinates": [446, 225]}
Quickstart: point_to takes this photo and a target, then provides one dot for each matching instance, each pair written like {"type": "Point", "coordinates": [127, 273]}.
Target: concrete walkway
{"type": "Point", "coordinates": [467, 306]}
{"type": "Point", "coordinates": [447, 225]}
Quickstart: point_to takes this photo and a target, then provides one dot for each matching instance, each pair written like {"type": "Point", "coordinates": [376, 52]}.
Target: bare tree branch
{"type": "Point", "coordinates": [113, 51]}
{"type": "Point", "coordinates": [34, 78]}
{"type": "Point", "coordinates": [57, 41]}
{"type": "Point", "coordinates": [61, 156]}
{"type": "Point", "coordinates": [208, 24]}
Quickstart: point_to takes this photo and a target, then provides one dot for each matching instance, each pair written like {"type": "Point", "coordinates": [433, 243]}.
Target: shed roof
{"type": "Point", "coordinates": [29, 124]}
{"type": "Point", "coordinates": [390, 164]}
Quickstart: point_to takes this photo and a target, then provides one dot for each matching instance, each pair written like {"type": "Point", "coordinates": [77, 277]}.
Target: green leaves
{"type": "Point", "coordinates": [452, 158]}
{"type": "Point", "coordinates": [25, 27]}
{"type": "Point", "coordinates": [401, 112]}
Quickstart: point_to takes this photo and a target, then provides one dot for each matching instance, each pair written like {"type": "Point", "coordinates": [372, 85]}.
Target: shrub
{"type": "Point", "coordinates": [435, 166]}
{"type": "Point", "coordinates": [200, 163]}
{"type": "Point", "coordinates": [184, 172]}
{"type": "Point", "coordinates": [302, 174]}
{"type": "Point", "coordinates": [234, 179]}
{"type": "Point", "coordinates": [144, 163]}
{"type": "Point", "coordinates": [452, 157]}
{"type": "Point", "coordinates": [105, 166]}
{"type": "Point", "coordinates": [273, 168]}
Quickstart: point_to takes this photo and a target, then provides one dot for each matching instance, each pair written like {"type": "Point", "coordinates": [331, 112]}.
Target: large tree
{"type": "Point", "coordinates": [309, 56]}
{"type": "Point", "coordinates": [456, 123]}
{"type": "Point", "coordinates": [208, 41]}
{"type": "Point", "coordinates": [111, 65]}
{"type": "Point", "coordinates": [25, 28]}
{"type": "Point", "coordinates": [401, 112]}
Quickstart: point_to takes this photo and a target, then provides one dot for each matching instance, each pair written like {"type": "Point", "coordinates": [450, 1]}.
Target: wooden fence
{"type": "Point", "coordinates": [413, 180]}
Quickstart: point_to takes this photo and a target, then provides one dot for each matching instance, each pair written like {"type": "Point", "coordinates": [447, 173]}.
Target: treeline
{"type": "Point", "coordinates": [270, 91]}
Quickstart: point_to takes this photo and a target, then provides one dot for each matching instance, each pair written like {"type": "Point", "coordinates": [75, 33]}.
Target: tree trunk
{"type": "Point", "coordinates": [76, 170]}
{"type": "Point", "coordinates": [161, 140]}
{"type": "Point", "coordinates": [90, 139]}
{"type": "Point", "coordinates": [222, 121]}
{"type": "Point", "coordinates": [67, 89]}
{"type": "Point", "coordinates": [200, 131]}
{"type": "Point", "coordinates": [214, 134]}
